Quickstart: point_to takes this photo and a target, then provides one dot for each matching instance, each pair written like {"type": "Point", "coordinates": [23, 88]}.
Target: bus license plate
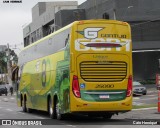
{"type": "Point", "coordinates": [103, 96]}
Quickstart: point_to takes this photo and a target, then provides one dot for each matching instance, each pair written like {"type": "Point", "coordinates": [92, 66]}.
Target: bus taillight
{"type": "Point", "coordinates": [75, 87]}
{"type": "Point", "coordinates": [129, 88]}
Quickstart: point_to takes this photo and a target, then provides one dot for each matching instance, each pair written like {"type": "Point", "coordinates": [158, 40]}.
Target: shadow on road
{"type": "Point", "coordinates": [80, 119]}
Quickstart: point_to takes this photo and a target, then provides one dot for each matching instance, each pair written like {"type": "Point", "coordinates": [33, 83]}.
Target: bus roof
{"type": "Point", "coordinates": [54, 33]}
{"type": "Point", "coordinates": [75, 22]}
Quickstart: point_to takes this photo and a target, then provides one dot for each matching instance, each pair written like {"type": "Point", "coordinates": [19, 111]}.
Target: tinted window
{"type": "Point", "coordinates": [46, 47]}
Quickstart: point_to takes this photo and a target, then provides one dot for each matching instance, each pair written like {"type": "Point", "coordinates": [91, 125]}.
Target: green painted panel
{"type": "Point", "coordinates": [96, 97]}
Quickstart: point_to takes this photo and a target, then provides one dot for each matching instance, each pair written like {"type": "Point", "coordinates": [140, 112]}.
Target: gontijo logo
{"type": "Point", "coordinates": [90, 33]}
{"type": "Point", "coordinates": [91, 42]}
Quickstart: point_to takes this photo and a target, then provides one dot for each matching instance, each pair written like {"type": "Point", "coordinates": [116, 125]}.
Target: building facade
{"type": "Point", "coordinates": [43, 19]}
{"type": "Point", "coordinates": [3, 48]}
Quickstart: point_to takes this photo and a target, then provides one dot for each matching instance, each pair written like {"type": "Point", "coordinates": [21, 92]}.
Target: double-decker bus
{"type": "Point", "coordinates": [85, 67]}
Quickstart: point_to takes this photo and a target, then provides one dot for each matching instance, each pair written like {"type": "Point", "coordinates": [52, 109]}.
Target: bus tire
{"type": "Point", "coordinates": [58, 114]}
{"type": "Point", "coordinates": [50, 109]}
{"type": "Point", "coordinates": [107, 116]}
{"type": "Point", "coordinates": [24, 108]}
{"type": "Point", "coordinates": [29, 110]}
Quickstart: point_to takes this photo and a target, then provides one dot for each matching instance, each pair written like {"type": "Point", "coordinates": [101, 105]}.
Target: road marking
{"type": "Point", "coordinates": [71, 126]}
{"type": "Point", "coordinates": [9, 110]}
{"type": "Point", "coordinates": [39, 117]}
{"type": "Point", "coordinates": [21, 112]}
{"type": "Point", "coordinates": [137, 103]}
{"type": "Point", "coordinates": [144, 109]}
{"type": "Point", "coordinates": [12, 98]}
{"type": "Point", "coordinates": [136, 98]}
{"type": "Point", "coordinates": [68, 125]}
{"type": "Point", "coordinates": [151, 95]}
{"type": "Point", "coordinates": [149, 98]}
{"type": "Point", "coordinates": [146, 98]}
{"type": "Point", "coordinates": [5, 99]}
{"type": "Point", "coordinates": [151, 91]}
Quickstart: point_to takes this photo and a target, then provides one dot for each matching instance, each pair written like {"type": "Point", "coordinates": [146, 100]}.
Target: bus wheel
{"type": "Point", "coordinates": [107, 116]}
{"type": "Point", "coordinates": [24, 108]}
{"type": "Point", "coordinates": [58, 114]}
{"type": "Point", "coordinates": [50, 109]}
{"type": "Point", "coordinates": [29, 110]}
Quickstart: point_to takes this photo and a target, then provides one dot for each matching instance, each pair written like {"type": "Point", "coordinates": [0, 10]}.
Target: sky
{"type": "Point", "coordinates": [13, 17]}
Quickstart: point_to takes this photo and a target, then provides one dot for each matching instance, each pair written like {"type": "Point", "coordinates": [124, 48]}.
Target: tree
{"type": "Point", "coordinates": [3, 62]}
{"type": "Point", "coordinates": [13, 56]}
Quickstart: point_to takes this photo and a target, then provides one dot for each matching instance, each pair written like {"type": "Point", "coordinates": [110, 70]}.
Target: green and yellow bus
{"type": "Point", "coordinates": [85, 67]}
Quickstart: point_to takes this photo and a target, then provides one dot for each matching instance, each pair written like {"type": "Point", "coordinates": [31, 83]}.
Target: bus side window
{"type": "Point", "coordinates": [67, 39]}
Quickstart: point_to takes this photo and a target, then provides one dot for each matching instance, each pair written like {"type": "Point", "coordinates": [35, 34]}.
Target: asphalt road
{"type": "Point", "coordinates": [9, 110]}
{"type": "Point", "coordinates": [149, 99]}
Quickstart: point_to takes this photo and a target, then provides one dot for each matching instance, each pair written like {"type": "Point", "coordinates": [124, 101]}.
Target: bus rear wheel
{"type": "Point", "coordinates": [24, 108]}
{"type": "Point", "coordinates": [107, 116]}
{"type": "Point", "coordinates": [51, 109]}
{"type": "Point", "coordinates": [58, 114]}
{"type": "Point", "coordinates": [29, 110]}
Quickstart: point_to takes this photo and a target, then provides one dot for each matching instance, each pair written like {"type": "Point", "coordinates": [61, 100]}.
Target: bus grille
{"type": "Point", "coordinates": [105, 71]}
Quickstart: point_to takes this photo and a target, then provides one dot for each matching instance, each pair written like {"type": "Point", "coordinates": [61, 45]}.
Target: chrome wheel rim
{"type": "Point", "coordinates": [50, 108]}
